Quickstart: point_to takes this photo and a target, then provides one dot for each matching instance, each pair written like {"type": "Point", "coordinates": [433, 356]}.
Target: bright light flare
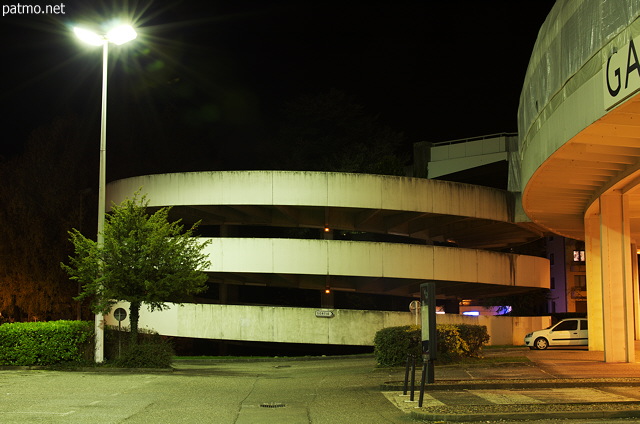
{"type": "Point", "coordinates": [118, 35]}
{"type": "Point", "coordinates": [89, 37]}
{"type": "Point", "coordinates": [121, 34]}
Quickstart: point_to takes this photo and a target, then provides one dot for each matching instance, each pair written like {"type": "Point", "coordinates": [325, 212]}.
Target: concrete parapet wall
{"type": "Point", "coordinates": [321, 257]}
{"type": "Point", "coordinates": [301, 188]}
{"type": "Point", "coordinates": [302, 325]}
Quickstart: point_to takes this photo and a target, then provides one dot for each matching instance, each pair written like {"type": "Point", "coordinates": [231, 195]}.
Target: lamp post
{"type": "Point", "coordinates": [118, 35]}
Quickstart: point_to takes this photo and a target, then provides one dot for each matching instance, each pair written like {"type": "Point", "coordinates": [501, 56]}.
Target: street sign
{"type": "Point", "coordinates": [119, 314]}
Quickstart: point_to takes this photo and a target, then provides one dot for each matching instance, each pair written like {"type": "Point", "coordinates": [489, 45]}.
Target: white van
{"type": "Point", "coordinates": [568, 332]}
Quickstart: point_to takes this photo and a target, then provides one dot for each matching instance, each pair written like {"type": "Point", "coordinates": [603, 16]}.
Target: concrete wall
{"type": "Point", "coordinates": [301, 325]}
{"type": "Point", "coordinates": [454, 157]}
{"type": "Point", "coordinates": [392, 260]}
{"type": "Point", "coordinates": [300, 188]}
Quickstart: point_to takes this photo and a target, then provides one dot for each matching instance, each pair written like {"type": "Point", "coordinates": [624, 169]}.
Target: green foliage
{"type": "Point", "coordinates": [144, 259]}
{"type": "Point", "coordinates": [455, 341]}
{"type": "Point", "coordinates": [146, 355]}
{"type": "Point", "coordinates": [45, 343]}
{"type": "Point", "coordinates": [475, 336]}
{"type": "Point", "coordinates": [393, 344]}
{"type": "Point", "coordinates": [152, 351]}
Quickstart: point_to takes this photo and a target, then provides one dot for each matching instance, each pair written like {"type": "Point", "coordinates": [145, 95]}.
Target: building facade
{"type": "Point", "coordinates": [579, 148]}
{"type": "Point", "coordinates": [316, 239]}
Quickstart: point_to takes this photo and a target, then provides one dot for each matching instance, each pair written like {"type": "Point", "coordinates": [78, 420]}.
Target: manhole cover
{"type": "Point", "coordinates": [272, 405]}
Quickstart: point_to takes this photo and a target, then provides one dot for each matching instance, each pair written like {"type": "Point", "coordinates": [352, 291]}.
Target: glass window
{"type": "Point", "coordinates": [567, 325]}
{"type": "Point", "coordinates": [584, 325]}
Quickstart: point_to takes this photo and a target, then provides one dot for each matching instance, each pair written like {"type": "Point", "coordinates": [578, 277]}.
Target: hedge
{"type": "Point", "coordinates": [151, 351]}
{"type": "Point", "coordinates": [45, 343]}
{"type": "Point", "coordinates": [455, 341]}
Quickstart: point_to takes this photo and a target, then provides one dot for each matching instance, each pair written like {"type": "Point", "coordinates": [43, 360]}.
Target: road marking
{"type": "Point", "coordinates": [397, 399]}
{"type": "Point", "coordinates": [504, 397]}
{"type": "Point", "coordinates": [61, 414]}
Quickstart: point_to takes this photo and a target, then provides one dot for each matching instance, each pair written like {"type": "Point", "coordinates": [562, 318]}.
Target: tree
{"type": "Point", "coordinates": [144, 259]}
{"type": "Point", "coordinates": [44, 193]}
{"type": "Point", "coordinates": [332, 132]}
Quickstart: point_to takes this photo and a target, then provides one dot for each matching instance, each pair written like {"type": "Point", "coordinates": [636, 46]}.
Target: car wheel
{"type": "Point", "coordinates": [541, 343]}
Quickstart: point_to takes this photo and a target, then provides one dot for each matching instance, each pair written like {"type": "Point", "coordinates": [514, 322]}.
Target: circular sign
{"type": "Point", "coordinates": [414, 305]}
{"type": "Point", "coordinates": [119, 314]}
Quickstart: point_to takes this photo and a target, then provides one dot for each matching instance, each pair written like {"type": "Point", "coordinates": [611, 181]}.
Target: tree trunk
{"type": "Point", "coordinates": [134, 316]}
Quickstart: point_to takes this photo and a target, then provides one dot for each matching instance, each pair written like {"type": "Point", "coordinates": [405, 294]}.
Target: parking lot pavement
{"type": "Point", "coordinates": [553, 384]}
{"type": "Point", "coordinates": [289, 391]}
{"type": "Point", "coordinates": [556, 384]}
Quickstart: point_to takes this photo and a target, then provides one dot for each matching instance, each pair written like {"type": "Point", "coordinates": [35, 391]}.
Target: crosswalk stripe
{"type": "Point", "coordinates": [504, 397]}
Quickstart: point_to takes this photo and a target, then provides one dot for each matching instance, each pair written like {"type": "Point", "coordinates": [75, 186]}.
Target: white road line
{"type": "Point", "coordinates": [61, 414]}
{"type": "Point", "coordinates": [504, 397]}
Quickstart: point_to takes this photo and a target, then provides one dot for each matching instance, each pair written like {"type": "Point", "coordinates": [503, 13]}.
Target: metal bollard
{"type": "Point", "coordinates": [406, 375]}
{"type": "Point", "coordinates": [413, 377]}
{"type": "Point", "coordinates": [425, 366]}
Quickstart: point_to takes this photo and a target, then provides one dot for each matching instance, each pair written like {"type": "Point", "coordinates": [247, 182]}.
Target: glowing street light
{"type": "Point", "coordinates": [118, 35]}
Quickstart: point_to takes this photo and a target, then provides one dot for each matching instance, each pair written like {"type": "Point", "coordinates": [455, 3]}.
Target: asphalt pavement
{"type": "Point", "coordinates": [558, 383]}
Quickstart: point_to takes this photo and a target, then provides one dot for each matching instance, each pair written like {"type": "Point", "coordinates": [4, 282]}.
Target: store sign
{"type": "Point", "coordinates": [621, 74]}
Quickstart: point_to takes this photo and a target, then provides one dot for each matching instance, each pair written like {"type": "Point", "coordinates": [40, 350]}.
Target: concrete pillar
{"type": "Point", "coordinates": [594, 279]}
{"type": "Point", "coordinates": [617, 278]}
{"type": "Point", "coordinates": [635, 288]}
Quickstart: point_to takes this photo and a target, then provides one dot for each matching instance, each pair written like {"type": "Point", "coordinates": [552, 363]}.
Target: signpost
{"type": "Point", "coordinates": [429, 335]}
{"type": "Point", "coordinates": [119, 314]}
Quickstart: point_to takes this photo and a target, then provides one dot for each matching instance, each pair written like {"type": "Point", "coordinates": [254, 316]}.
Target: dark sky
{"type": "Point", "coordinates": [433, 70]}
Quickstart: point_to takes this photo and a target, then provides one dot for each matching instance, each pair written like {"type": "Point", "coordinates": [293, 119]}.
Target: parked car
{"type": "Point", "coordinates": [568, 332]}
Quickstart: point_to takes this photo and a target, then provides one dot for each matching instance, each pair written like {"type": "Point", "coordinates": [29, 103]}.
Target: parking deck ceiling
{"type": "Point", "coordinates": [603, 156]}
{"type": "Point", "coordinates": [424, 227]}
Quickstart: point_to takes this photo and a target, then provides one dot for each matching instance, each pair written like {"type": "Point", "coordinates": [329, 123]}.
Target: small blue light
{"type": "Point", "coordinates": [472, 313]}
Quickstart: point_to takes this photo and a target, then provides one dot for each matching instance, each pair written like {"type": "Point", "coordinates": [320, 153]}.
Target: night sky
{"type": "Point", "coordinates": [224, 69]}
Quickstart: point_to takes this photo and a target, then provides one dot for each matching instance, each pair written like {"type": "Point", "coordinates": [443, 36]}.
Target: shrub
{"type": "Point", "coordinates": [45, 343]}
{"type": "Point", "coordinates": [147, 354]}
{"type": "Point", "coordinates": [393, 344]}
{"type": "Point", "coordinates": [152, 350]}
{"type": "Point", "coordinates": [475, 337]}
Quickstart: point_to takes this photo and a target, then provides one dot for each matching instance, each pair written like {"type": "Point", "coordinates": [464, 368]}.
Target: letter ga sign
{"type": "Point", "coordinates": [621, 74]}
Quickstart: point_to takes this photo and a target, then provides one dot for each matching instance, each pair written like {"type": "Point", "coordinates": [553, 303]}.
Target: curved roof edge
{"type": "Point", "coordinates": [300, 188]}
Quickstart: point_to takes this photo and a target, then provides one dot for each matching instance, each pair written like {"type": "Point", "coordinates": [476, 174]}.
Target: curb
{"type": "Point", "coordinates": [526, 416]}
{"type": "Point", "coordinates": [515, 385]}
{"type": "Point", "coordinates": [83, 369]}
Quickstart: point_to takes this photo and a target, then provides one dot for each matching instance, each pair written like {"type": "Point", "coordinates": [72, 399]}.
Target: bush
{"type": "Point", "coordinates": [46, 343]}
{"type": "Point", "coordinates": [393, 344]}
{"type": "Point", "coordinates": [152, 350]}
{"type": "Point", "coordinates": [475, 337]}
{"type": "Point", "coordinates": [147, 354]}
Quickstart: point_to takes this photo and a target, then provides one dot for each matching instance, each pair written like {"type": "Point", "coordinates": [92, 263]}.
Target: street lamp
{"type": "Point", "coordinates": [118, 35]}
